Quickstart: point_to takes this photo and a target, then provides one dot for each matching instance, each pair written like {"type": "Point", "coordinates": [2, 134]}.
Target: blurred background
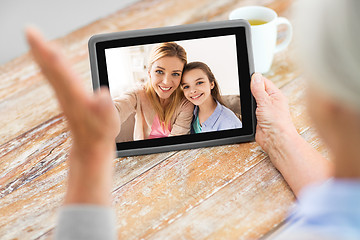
{"type": "Point", "coordinates": [49, 17]}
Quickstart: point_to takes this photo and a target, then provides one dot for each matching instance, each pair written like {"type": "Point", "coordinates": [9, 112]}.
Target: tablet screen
{"type": "Point", "coordinates": [205, 98]}
{"type": "Point", "coordinates": [128, 70]}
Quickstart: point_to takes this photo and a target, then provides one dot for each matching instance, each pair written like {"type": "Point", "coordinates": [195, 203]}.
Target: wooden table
{"type": "Point", "coordinates": [226, 192]}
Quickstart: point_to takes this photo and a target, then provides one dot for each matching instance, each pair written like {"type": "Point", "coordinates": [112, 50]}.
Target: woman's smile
{"type": "Point", "coordinates": [165, 89]}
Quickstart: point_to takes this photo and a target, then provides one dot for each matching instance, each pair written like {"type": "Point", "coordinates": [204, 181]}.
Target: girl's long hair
{"type": "Point", "coordinates": [215, 92]}
{"type": "Point", "coordinates": [167, 49]}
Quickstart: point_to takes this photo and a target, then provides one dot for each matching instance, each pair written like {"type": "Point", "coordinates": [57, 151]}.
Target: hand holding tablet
{"type": "Point", "coordinates": [167, 83]}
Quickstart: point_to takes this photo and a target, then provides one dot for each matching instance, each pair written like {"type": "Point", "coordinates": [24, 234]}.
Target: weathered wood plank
{"type": "Point", "coordinates": [33, 178]}
{"type": "Point", "coordinates": [283, 69]}
{"type": "Point", "coordinates": [29, 155]}
{"type": "Point", "coordinates": [31, 106]}
{"type": "Point", "coordinates": [245, 209]}
{"type": "Point", "coordinates": [152, 200]}
{"type": "Point", "coordinates": [30, 210]}
{"type": "Point", "coordinates": [248, 207]}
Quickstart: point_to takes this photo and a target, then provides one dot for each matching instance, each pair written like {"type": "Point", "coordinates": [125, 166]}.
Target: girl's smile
{"type": "Point", "coordinates": [197, 96]}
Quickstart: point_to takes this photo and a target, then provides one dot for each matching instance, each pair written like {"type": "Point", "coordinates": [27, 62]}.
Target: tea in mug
{"type": "Point", "coordinates": [254, 22]}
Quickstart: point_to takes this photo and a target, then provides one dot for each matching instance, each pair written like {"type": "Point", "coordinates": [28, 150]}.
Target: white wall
{"type": "Point", "coordinates": [54, 17]}
{"type": "Point", "coordinates": [219, 53]}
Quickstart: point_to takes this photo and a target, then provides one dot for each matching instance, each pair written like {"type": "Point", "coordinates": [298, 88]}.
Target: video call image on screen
{"type": "Point", "coordinates": [128, 72]}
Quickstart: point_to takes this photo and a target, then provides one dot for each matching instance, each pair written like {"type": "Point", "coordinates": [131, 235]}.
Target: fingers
{"type": "Point", "coordinates": [270, 87]}
{"type": "Point", "coordinates": [103, 98]}
{"type": "Point", "coordinates": [262, 87]}
{"type": "Point", "coordinates": [258, 87]}
{"type": "Point", "coordinates": [55, 67]}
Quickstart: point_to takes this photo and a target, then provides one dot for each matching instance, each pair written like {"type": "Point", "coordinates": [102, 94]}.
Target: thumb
{"type": "Point", "coordinates": [258, 87]}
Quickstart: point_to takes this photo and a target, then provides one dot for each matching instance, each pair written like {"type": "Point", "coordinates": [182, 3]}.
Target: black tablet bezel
{"type": "Point", "coordinates": [239, 28]}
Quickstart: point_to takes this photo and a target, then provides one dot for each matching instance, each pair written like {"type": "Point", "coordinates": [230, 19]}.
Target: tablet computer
{"type": "Point", "coordinates": [178, 87]}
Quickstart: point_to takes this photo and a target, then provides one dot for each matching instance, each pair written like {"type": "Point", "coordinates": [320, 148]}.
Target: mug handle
{"type": "Point", "coordinates": [289, 33]}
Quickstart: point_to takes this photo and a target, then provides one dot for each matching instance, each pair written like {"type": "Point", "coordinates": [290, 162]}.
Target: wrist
{"type": "Point", "coordinates": [90, 174]}
{"type": "Point", "coordinates": [90, 148]}
{"type": "Point", "coordinates": [282, 142]}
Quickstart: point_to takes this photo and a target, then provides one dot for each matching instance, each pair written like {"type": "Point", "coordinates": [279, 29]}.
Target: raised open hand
{"type": "Point", "coordinates": [92, 118]}
{"type": "Point", "coordinates": [93, 121]}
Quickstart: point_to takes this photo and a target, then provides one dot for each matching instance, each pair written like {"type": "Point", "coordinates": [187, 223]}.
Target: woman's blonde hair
{"type": "Point", "coordinates": [167, 49]}
{"type": "Point", "coordinates": [215, 92]}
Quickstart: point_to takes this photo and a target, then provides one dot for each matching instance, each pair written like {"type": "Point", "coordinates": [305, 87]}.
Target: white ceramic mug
{"type": "Point", "coordinates": [264, 36]}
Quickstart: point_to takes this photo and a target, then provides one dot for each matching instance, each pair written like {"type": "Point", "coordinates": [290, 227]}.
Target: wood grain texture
{"type": "Point", "coordinates": [224, 192]}
{"type": "Point", "coordinates": [246, 208]}
{"type": "Point", "coordinates": [29, 204]}
{"type": "Point", "coordinates": [178, 184]}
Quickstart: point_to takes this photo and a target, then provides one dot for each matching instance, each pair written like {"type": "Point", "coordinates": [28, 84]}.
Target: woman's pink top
{"type": "Point", "coordinates": [158, 130]}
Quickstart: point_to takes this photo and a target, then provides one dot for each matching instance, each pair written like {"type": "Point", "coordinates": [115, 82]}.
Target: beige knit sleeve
{"type": "Point", "coordinates": [183, 118]}
{"type": "Point", "coordinates": [126, 105]}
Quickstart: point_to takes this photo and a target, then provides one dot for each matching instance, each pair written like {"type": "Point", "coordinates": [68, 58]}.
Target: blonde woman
{"type": "Point", "coordinates": [160, 108]}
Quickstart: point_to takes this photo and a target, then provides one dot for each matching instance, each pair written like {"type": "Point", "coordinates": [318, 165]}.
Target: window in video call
{"type": "Point", "coordinates": [127, 70]}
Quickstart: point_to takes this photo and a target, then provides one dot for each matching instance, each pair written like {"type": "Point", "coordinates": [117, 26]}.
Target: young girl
{"type": "Point", "coordinates": [200, 88]}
